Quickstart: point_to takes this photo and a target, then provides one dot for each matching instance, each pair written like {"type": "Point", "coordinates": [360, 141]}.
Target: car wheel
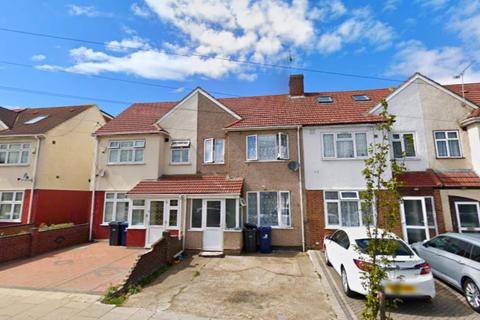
{"type": "Point", "coordinates": [345, 286]}
{"type": "Point", "coordinates": [326, 259]}
{"type": "Point", "coordinates": [472, 294]}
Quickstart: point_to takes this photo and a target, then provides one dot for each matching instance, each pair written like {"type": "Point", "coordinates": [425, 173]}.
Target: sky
{"type": "Point", "coordinates": [159, 50]}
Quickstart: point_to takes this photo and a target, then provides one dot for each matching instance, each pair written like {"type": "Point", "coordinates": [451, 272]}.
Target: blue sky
{"type": "Point", "coordinates": [180, 45]}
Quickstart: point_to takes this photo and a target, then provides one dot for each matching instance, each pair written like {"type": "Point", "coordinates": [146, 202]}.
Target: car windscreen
{"type": "Point", "coordinates": [401, 249]}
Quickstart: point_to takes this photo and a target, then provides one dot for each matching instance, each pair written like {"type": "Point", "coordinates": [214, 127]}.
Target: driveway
{"type": "Point", "coordinates": [88, 268]}
{"type": "Point", "coordinates": [448, 303]}
{"type": "Point", "coordinates": [276, 286]}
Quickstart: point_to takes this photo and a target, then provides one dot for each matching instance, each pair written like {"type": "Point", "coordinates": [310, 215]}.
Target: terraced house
{"type": "Point", "coordinates": [46, 159]}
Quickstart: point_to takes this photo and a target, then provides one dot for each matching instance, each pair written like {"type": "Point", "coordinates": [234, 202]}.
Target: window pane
{"type": "Point", "coordinates": [332, 213]}
{"type": "Point", "coordinates": [268, 209]}
{"type": "Point", "coordinates": [184, 155]}
{"type": "Point", "coordinates": [196, 213]}
{"type": "Point", "coordinates": [16, 211]}
{"type": "Point", "coordinates": [409, 145]}
{"type": "Point", "coordinates": [468, 216]}
{"type": "Point", "coordinates": [110, 195]}
{"type": "Point", "coordinates": [267, 147]}
{"type": "Point", "coordinates": [442, 149]}
{"type": "Point", "coordinates": [139, 155]}
{"type": "Point", "coordinates": [397, 149]}
{"type": "Point", "coordinates": [7, 196]}
{"type": "Point", "coordinates": [156, 213]}
{"type": "Point", "coordinates": [138, 203]}
{"type": "Point", "coordinates": [413, 212]}
{"type": "Point", "coordinates": [285, 208]}
{"type": "Point", "coordinates": [452, 135]}
{"type": "Point", "coordinates": [208, 152]}
{"type": "Point", "coordinates": [122, 211]}
{"type": "Point", "coordinates": [126, 155]}
{"type": "Point", "coordinates": [361, 144]}
{"type": "Point", "coordinates": [416, 235]}
{"type": "Point", "coordinates": [430, 212]}
{"type": "Point", "coordinates": [331, 195]}
{"type": "Point", "coordinates": [173, 203]}
{"type": "Point", "coordinates": [283, 145]}
{"type": "Point", "coordinates": [349, 195]}
{"type": "Point", "coordinates": [219, 150]}
{"type": "Point", "coordinates": [344, 136]}
{"type": "Point", "coordinates": [458, 247]}
{"type": "Point", "coordinates": [252, 147]}
{"type": "Point", "coordinates": [231, 213]}
{"type": "Point", "coordinates": [350, 213]}
{"type": "Point", "coordinates": [108, 212]}
{"type": "Point", "coordinates": [13, 157]}
{"type": "Point", "coordinates": [475, 256]}
{"type": "Point", "coordinates": [140, 144]}
{"type": "Point", "coordinates": [24, 157]}
{"type": "Point", "coordinates": [440, 135]}
{"type": "Point", "coordinates": [113, 155]}
{"type": "Point", "coordinates": [121, 196]}
{"type": "Point", "coordinates": [176, 156]}
{"type": "Point", "coordinates": [3, 157]}
{"type": "Point", "coordinates": [252, 208]}
{"type": "Point", "coordinates": [454, 148]}
{"type": "Point", "coordinates": [5, 210]}
{"type": "Point", "coordinates": [345, 149]}
{"type": "Point", "coordinates": [328, 146]}
{"type": "Point", "coordinates": [18, 196]}
{"type": "Point", "coordinates": [213, 214]}
{"type": "Point", "coordinates": [173, 218]}
{"type": "Point", "coordinates": [138, 217]}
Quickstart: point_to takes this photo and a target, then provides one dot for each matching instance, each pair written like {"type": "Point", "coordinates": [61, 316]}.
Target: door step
{"type": "Point", "coordinates": [212, 254]}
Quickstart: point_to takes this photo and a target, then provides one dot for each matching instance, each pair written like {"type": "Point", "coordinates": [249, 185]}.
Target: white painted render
{"type": "Point", "coordinates": [474, 139]}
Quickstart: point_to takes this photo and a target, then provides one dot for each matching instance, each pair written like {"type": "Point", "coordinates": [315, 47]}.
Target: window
{"type": "Point", "coordinates": [418, 218]}
{"type": "Point", "coordinates": [447, 144]}
{"type": "Point", "coordinates": [344, 209]}
{"type": "Point", "coordinates": [360, 97]}
{"type": "Point", "coordinates": [324, 99]}
{"type": "Point", "coordinates": [439, 243]}
{"type": "Point", "coordinates": [475, 255]}
{"type": "Point", "coordinates": [173, 214]}
{"type": "Point", "coordinates": [458, 247]}
{"type": "Point", "coordinates": [345, 145]}
{"type": "Point", "coordinates": [36, 119]}
{"type": "Point", "coordinates": [341, 238]}
{"type": "Point", "coordinates": [11, 205]}
{"type": "Point", "coordinates": [214, 150]}
{"type": "Point", "coordinates": [196, 222]}
{"type": "Point", "coordinates": [269, 208]}
{"type": "Point", "coordinates": [267, 147]}
{"type": "Point", "coordinates": [468, 216]}
{"type": "Point", "coordinates": [126, 151]}
{"type": "Point", "coordinates": [116, 207]}
{"type": "Point", "coordinates": [403, 145]}
{"type": "Point", "coordinates": [138, 213]}
{"type": "Point", "coordinates": [180, 151]}
{"type": "Point", "coordinates": [231, 217]}
{"type": "Point", "coordinates": [14, 153]}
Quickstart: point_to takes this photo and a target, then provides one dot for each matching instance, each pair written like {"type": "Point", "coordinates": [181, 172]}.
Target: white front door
{"type": "Point", "coordinates": [156, 221]}
{"type": "Point", "coordinates": [214, 220]}
{"type": "Point", "coordinates": [468, 216]}
{"type": "Point", "coordinates": [418, 219]}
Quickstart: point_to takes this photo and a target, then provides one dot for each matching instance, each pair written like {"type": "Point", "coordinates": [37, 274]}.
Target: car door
{"type": "Point", "coordinates": [457, 254]}
{"type": "Point", "coordinates": [339, 247]}
{"type": "Point", "coordinates": [331, 248]}
{"type": "Point", "coordinates": [433, 252]}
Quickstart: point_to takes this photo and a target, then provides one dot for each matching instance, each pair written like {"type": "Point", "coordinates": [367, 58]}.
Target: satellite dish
{"type": "Point", "coordinates": [293, 165]}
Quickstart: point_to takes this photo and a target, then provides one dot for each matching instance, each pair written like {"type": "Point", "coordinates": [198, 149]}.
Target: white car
{"type": "Point", "coordinates": [408, 275]}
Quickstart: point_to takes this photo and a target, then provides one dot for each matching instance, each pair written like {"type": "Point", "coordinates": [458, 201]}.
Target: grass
{"type": "Point", "coordinates": [111, 296]}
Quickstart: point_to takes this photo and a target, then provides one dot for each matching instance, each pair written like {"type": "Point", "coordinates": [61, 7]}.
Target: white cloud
{"type": "Point", "coordinates": [87, 11]}
{"type": "Point", "coordinates": [125, 45]}
{"type": "Point", "coordinates": [139, 10]}
{"type": "Point", "coordinates": [433, 4]}
{"type": "Point", "coordinates": [38, 57]}
{"type": "Point", "coordinates": [391, 5]}
{"type": "Point", "coordinates": [179, 90]}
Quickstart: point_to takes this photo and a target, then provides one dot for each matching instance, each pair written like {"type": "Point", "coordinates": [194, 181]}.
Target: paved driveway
{"type": "Point", "coordinates": [88, 268]}
{"type": "Point", "coordinates": [448, 303]}
{"type": "Point", "coordinates": [275, 286]}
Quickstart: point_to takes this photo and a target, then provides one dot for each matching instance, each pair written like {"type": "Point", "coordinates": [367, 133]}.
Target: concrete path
{"type": "Point", "coordinates": [86, 268]}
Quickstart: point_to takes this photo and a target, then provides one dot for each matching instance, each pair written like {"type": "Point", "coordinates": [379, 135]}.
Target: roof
{"type": "Point", "coordinates": [7, 116]}
{"type": "Point", "coordinates": [139, 117]}
{"type": "Point", "coordinates": [189, 184]}
{"type": "Point", "coordinates": [55, 117]}
{"type": "Point", "coordinates": [439, 179]}
{"type": "Point", "coordinates": [472, 91]}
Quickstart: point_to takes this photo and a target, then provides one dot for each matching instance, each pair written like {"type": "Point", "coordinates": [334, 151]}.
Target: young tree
{"type": "Point", "coordinates": [382, 197]}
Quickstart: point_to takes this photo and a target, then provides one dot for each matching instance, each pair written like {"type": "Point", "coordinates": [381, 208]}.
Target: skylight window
{"type": "Point", "coordinates": [36, 119]}
{"type": "Point", "coordinates": [325, 99]}
{"type": "Point", "coordinates": [361, 97]}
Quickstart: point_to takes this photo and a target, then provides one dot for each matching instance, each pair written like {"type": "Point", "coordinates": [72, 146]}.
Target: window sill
{"type": "Point", "coordinates": [137, 228]}
{"type": "Point", "coordinates": [233, 230]}
{"type": "Point", "coordinates": [449, 158]}
{"type": "Point", "coordinates": [125, 163]}
{"type": "Point", "coordinates": [213, 163]}
{"type": "Point", "coordinates": [267, 161]}
{"type": "Point", "coordinates": [195, 229]}
{"type": "Point", "coordinates": [11, 220]}
{"type": "Point", "coordinates": [408, 159]}
{"type": "Point", "coordinates": [180, 164]}
{"type": "Point", "coordinates": [282, 228]}
{"type": "Point", "coordinates": [345, 159]}
{"type": "Point", "coordinates": [14, 164]}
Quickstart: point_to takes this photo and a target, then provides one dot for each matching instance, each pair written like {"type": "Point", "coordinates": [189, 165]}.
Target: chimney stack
{"type": "Point", "coordinates": [295, 85]}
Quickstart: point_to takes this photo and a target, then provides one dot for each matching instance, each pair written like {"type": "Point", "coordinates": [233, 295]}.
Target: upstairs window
{"type": "Point", "coordinates": [360, 97]}
{"type": "Point", "coordinates": [180, 152]}
{"type": "Point", "coordinates": [14, 153]}
{"type": "Point", "coordinates": [126, 151]}
{"type": "Point", "coordinates": [11, 206]}
{"type": "Point", "coordinates": [447, 144]}
{"type": "Point", "coordinates": [403, 145]}
{"type": "Point", "coordinates": [345, 145]}
{"type": "Point", "coordinates": [267, 147]}
{"type": "Point", "coordinates": [213, 150]}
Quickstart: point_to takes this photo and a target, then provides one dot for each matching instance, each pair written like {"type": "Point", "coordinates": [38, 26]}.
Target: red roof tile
{"type": "Point", "coordinates": [472, 91]}
{"type": "Point", "coordinates": [431, 179]}
{"type": "Point", "coordinates": [419, 179]}
{"type": "Point", "coordinates": [459, 179]}
{"type": "Point", "coordinates": [189, 185]}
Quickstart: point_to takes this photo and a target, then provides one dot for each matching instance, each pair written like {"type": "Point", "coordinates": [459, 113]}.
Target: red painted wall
{"type": "Point", "coordinates": [61, 206]}
{"type": "Point", "coordinates": [99, 232]}
{"type": "Point", "coordinates": [26, 202]}
{"type": "Point", "coordinates": [135, 237]}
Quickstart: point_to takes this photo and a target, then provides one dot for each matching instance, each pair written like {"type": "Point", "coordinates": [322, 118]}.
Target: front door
{"type": "Point", "coordinates": [468, 216]}
{"type": "Point", "coordinates": [418, 218]}
{"type": "Point", "coordinates": [213, 221]}
{"type": "Point", "coordinates": [156, 221]}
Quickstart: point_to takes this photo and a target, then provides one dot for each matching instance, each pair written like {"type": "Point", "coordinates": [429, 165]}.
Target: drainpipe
{"type": "Point", "coordinates": [34, 179]}
{"type": "Point", "coordinates": [183, 200]}
{"type": "Point", "coordinates": [300, 186]}
{"type": "Point", "coordinates": [93, 185]}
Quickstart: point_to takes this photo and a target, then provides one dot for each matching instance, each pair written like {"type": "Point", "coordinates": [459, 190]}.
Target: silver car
{"type": "Point", "coordinates": [455, 258]}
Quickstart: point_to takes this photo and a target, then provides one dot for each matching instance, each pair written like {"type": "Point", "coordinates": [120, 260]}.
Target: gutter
{"type": "Point", "coordinates": [34, 179]}
{"type": "Point", "coordinates": [300, 186]}
{"type": "Point", "coordinates": [92, 187]}
{"type": "Point", "coordinates": [469, 121]}
{"type": "Point", "coordinates": [261, 128]}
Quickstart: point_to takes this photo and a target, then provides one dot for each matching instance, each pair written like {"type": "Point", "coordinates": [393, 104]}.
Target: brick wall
{"type": "Point", "coordinates": [315, 220]}
{"type": "Point", "coordinates": [15, 247]}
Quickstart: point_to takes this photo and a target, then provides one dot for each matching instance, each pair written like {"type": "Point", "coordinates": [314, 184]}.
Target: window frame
{"type": "Point", "coordinates": [457, 215]}
{"type": "Point", "coordinates": [338, 201]}
{"type": "Point", "coordinates": [279, 207]}
{"type": "Point", "coordinates": [115, 201]}
{"type": "Point", "coordinates": [133, 148]}
{"type": "Point", "coordinates": [278, 147]}
{"type": "Point", "coordinates": [132, 207]}
{"type": "Point", "coordinates": [13, 202]}
{"type": "Point", "coordinates": [21, 150]}
{"type": "Point", "coordinates": [180, 144]}
{"type": "Point", "coordinates": [425, 227]}
{"type": "Point", "coordinates": [402, 143]}
{"type": "Point", "coordinates": [359, 97]}
{"type": "Point", "coordinates": [446, 139]}
{"type": "Point", "coordinates": [213, 151]}
{"type": "Point", "coordinates": [223, 215]}
{"type": "Point", "coordinates": [335, 139]}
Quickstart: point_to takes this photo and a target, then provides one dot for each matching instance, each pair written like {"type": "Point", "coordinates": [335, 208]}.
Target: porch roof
{"type": "Point", "coordinates": [439, 179]}
{"type": "Point", "coordinates": [189, 184]}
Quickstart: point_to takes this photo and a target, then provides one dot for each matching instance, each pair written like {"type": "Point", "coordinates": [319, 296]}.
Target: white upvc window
{"type": "Point", "coordinates": [345, 145]}
{"type": "Point", "coordinates": [447, 144]}
{"type": "Point", "coordinates": [180, 152]}
{"type": "Point", "coordinates": [403, 145]}
{"type": "Point", "coordinates": [116, 207]}
{"type": "Point", "coordinates": [14, 153]}
{"type": "Point", "coordinates": [269, 208]}
{"type": "Point", "coordinates": [468, 216]}
{"type": "Point", "coordinates": [126, 151]}
{"type": "Point", "coordinates": [267, 147]}
{"type": "Point", "coordinates": [229, 207]}
{"type": "Point", "coordinates": [11, 203]}
{"type": "Point", "coordinates": [214, 151]}
{"type": "Point", "coordinates": [344, 209]}
{"type": "Point", "coordinates": [173, 213]}
{"type": "Point", "coordinates": [137, 213]}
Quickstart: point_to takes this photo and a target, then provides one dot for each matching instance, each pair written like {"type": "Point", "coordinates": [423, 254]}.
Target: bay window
{"type": "Point", "coordinates": [267, 147]}
{"type": "Point", "coordinates": [269, 208]}
{"type": "Point", "coordinates": [180, 152]}
{"type": "Point", "coordinates": [447, 144]}
{"type": "Point", "coordinates": [213, 150]}
{"type": "Point", "coordinates": [403, 145]}
{"type": "Point", "coordinates": [116, 207]}
{"type": "Point", "coordinates": [344, 209]}
{"type": "Point", "coordinates": [126, 151]}
{"type": "Point", "coordinates": [14, 153]}
{"type": "Point", "coordinates": [11, 206]}
{"type": "Point", "coordinates": [345, 145]}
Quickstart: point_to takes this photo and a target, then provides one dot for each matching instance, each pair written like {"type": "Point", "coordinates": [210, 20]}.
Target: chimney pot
{"type": "Point", "coordinates": [295, 85]}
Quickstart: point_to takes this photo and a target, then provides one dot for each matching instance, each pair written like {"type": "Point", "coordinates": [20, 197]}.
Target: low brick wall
{"type": "Point", "coordinates": [15, 229]}
{"type": "Point", "coordinates": [35, 242]}
{"type": "Point", "coordinates": [161, 253]}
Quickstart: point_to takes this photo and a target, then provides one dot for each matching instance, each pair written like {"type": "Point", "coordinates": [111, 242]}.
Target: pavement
{"type": "Point", "coordinates": [448, 303]}
{"type": "Point", "coordinates": [87, 268]}
{"type": "Point", "coordinates": [280, 285]}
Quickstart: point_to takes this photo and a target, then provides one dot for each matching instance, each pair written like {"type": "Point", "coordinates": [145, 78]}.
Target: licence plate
{"type": "Point", "coordinates": [400, 288]}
